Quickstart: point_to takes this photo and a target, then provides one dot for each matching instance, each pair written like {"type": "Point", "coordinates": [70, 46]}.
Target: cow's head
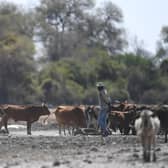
{"type": "Point", "coordinates": [45, 110]}
{"type": "Point", "coordinates": [145, 116]}
{"type": "Point", "coordinates": [91, 114]}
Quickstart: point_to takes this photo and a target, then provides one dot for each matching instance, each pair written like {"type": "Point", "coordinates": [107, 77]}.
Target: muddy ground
{"type": "Point", "coordinates": [45, 149]}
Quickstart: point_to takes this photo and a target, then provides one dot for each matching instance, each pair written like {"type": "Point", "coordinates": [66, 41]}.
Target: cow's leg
{"type": "Point", "coordinates": [145, 151]}
{"type": "Point", "coordinates": [1, 123]}
{"type": "Point", "coordinates": [133, 131]}
{"type": "Point", "coordinates": [120, 129]}
{"type": "Point", "coordinates": [143, 148]}
{"type": "Point", "coordinates": [6, 125]}
{"type": "Point", "coordinates": [73, 130]}
{"type": "Point", "coordinates": [4, 121]}
{"type": "Point", "coordinates": [64, 130]}
{"type": "Point", "coordinates": [126, 130]}
{"type": "Point", "coordinates": [28, 128]}
{"type": "Point", "coordinates": [69, 130]}
{"type": "Point", "coordinates": [143, 141]}
{"type": "Point", "coordinates": [59, 129]}
{"type": "Point", "coordinates": [166, 136]}
{"type": "Point", "coordinates": [154, 144]}
{"type": "Point", "coordinates": [72, 133]}
{"type": "Point", "coordinates": [148, 148]}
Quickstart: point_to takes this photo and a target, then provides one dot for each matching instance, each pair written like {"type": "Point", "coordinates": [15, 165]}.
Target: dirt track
{"type": "Point", "coordinates": [45, 149]}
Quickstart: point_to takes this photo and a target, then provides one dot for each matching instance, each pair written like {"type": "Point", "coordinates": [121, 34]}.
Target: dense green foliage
{"type": "Point", "coordinates": [16, 56]}
{"type": "Point", "coordinates": [81, 49]}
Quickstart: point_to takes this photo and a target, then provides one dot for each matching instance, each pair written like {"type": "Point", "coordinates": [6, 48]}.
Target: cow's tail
{"type": "Point", "coordinates": [45, 121]}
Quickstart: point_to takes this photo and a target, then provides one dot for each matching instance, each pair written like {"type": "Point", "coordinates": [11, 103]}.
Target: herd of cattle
{"type": "Point", "coordinates": [121, 117]}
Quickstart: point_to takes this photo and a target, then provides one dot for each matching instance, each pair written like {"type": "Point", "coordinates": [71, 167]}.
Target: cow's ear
{"type": "Point", "coordinates": [43, 104]}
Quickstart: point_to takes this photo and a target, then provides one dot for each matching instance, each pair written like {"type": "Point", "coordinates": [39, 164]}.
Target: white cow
{"type": "Point", "coordinates": [147, 127]}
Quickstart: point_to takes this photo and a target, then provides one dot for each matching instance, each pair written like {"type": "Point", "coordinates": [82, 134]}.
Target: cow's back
{"type": "Point", "coordinates": [24, 112]}
{"type": "Point", "coordinates": [17, 113]}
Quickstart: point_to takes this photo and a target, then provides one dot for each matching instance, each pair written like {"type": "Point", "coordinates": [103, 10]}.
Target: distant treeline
{"type": "Point", "coordinates": [80, 48]}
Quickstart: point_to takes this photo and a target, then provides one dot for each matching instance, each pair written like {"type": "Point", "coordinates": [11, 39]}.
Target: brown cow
{"type": "Point", "coordinates": [70, 116]}
{"type": "Point", "coordinates": [124, 121]}
{"type": "Point", "coordinates": [116, 120]}
{"type": "Point", "coordinates": [28, 113]}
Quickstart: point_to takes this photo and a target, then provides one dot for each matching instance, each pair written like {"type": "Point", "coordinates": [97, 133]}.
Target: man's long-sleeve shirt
{"type": "Point", "coordinates": [104, 99]}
